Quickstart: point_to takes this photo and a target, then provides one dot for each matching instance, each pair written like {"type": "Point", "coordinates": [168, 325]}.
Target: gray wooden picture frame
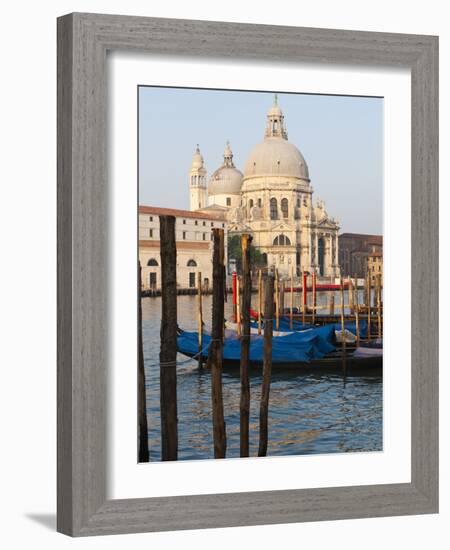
{"type": "Point", "coordinates": [83, 42]}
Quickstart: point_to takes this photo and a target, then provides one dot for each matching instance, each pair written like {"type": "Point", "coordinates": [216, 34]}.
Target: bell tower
{"type": "Point", "coordinates": [197, 182]}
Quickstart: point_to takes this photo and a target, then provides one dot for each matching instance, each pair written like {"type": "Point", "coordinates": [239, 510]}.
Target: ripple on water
{"type": "Point", "coordinates": [308, 413]}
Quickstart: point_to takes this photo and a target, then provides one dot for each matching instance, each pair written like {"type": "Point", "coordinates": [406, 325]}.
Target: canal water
{"type": "Point", "coordinates": [308, 413]}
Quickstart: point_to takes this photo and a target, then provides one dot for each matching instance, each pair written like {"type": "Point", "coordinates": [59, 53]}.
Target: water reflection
{"type": "Point", "coordinates": [308, 413]}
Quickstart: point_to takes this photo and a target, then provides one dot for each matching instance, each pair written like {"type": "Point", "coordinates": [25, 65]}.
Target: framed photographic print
{"type": "Point", "coordinates": [247, 274]}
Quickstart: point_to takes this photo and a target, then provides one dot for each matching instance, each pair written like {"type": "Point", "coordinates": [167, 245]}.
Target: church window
{"type": "Point", "coordinates": [204, 236]}
{"type": "Point", "coordinates": [204, 223]}
{"type": "Point", "coordinates": [250, 203]}
{"type": "Point", "coordinates": [150, 233]}
{"type": "Point", "coordinates": [298, 203]}
{"type": "Point", "coordinates": [305, 201]}
{"type": "Point", "coordinates": [212, 224]}
{"type": "Point", "coordinates": [196, 222]}
{"type": "Point", "coordinates": [184, 221]}
{"type": "Point", "coordinates": [273, 209]}
{"type": "Point", "coordinates": [184, 235]}
{"type": "Point", "coordinates": [281, 240]}
{"type": "Point", "coordinates": [152, 263]}
{"type": "Point", "coordinates": [228, 201]}
{"type": "Point", "coordinates": [285, 207]}
{"type": "Point", "coordinates": [151, 218]}
{"type": "Point", "coordinates": [192, 263]}
{"type": "Point", "coordinates": [259, 203]}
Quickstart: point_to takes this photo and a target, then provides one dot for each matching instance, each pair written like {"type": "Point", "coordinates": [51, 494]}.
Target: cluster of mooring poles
{"type": "Point", "coordinates": [242, 291]}
{"type": "Point", "coordinates": [272, 292]}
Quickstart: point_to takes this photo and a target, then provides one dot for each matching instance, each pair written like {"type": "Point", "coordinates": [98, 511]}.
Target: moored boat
{"type": "Point", "coordinates": [313, 349]}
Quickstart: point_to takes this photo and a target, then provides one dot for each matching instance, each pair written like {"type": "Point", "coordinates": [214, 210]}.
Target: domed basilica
{"type": "Point", "coordinates": [271, 200]}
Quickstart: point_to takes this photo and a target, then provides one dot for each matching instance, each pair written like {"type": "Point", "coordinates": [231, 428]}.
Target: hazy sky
{"type": "Point", "coordinates": [340, 137]}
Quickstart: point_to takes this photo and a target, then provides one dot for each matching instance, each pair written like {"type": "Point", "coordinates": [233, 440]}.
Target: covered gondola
{"type": "Point", "coordinates": [311, 349]}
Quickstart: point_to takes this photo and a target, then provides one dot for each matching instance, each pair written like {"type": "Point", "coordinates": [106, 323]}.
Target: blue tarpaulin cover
{"type": "Point", "coordinates": [293, 348]}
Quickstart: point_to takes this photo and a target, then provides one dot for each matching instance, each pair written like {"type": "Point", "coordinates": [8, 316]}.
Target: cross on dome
{"type": "Point", "coordinates": [275, 126]}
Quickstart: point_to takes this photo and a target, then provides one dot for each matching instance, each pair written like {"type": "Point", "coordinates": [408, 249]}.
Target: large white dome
{"type": "Point", "coordinates": [276, 156]}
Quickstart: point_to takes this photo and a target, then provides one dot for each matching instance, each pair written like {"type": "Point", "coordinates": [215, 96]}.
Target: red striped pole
{"type": "Point", "coordinates": [305, 289]}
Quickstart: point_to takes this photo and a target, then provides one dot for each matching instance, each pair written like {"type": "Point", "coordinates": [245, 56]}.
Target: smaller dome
{"type": "Point", "coordinates": [227, 180]}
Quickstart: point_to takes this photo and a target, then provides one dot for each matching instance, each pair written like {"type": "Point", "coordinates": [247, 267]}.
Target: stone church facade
{"type": "Point", "coordinates": [273, 201]}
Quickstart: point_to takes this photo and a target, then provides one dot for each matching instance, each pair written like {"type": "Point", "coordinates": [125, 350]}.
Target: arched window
{"type": "Point", "coordinates": [260, 202]}
{"type": "Point", "coordinates": [152, 262]}
{"type": "Point", "coordinates": [285, 208]}
{"type": "Point", "coordinates": [281, 240]}
{"type": "Point", "coordinates": [250, 203]}
{"type": "Point", "coordinates": [192, 263]}
{"type": "Point", "coordinates": [273, 209]}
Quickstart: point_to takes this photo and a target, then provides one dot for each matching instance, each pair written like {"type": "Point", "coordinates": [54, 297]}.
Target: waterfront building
{"type": "Point", "coordinates": [355, 249]}
{"type": "Point", "coordinates": [375, 265]}
{"type": "Point", "coordinates": [272, 199]}
{"type": "Point", "coordinates": [193, 233]}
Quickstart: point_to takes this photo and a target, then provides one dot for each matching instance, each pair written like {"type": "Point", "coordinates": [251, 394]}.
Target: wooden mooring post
{"type": "Point", "coordinates": [199, 318]}
{"type": "Point", "coordinates": [234, 293]}
{"type": "Point", "coordinates": [215, 355]}
{"type": "Point", "coordinates": [142, 407]}
{"type": "Point", "coordinates": [357, 311]}
{"type": "Point", "coordinates": [350, 295]}
{"type": "Point", "coordinates": [267, 367]}
{"type": "Point", "coordinates": [369, 306]}
{"type": "Point", "coordinates": [168, 352]}
{"type": "Point", "coordinates": [245, 346]}
{"type": "Point", "coordinates": [344, 358]}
